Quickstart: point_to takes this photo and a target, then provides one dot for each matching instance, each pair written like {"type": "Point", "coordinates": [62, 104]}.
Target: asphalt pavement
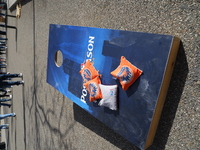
{"type": "Point", "coordinates": [47, 120]}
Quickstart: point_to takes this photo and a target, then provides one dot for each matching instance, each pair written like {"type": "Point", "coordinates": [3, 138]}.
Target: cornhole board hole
{"type": "Point", "coordinates": [139, 107]}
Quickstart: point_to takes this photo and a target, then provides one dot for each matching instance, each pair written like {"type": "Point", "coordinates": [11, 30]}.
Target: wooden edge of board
{"type": "Point", "coordinates": [163, 91]}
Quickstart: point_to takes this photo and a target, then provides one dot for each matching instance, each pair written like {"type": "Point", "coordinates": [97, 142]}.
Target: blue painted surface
{"type": "Point", "coordinates": [148, 52]}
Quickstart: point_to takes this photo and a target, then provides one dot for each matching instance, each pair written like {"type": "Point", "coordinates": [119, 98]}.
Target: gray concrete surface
{"type": "Point", "coordinates": [47, 120]}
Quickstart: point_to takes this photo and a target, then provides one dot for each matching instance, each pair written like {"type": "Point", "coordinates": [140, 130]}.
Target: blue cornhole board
{"type": "Point", "coordinates": [141, 105]}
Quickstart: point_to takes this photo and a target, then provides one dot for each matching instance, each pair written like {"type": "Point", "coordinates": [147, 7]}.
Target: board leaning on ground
{"type": "Point", "coordinates": [140, 106]}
